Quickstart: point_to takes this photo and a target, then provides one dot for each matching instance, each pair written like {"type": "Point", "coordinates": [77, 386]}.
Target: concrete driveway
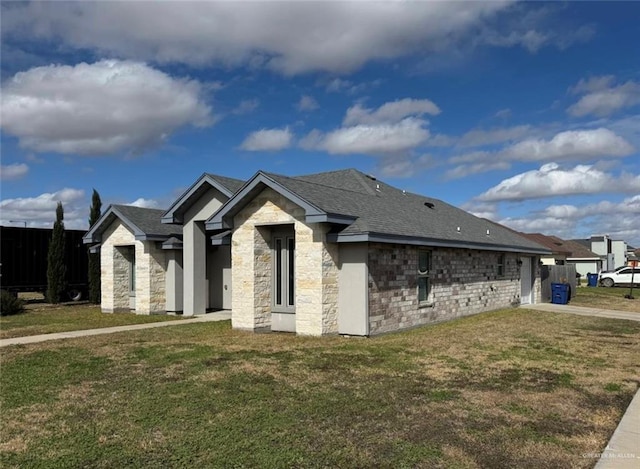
{"type": "Point", "coordinates": [598, 312]}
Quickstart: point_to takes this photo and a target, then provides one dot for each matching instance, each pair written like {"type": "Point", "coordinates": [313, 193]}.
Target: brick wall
{"type": "Point", "coordinates": [463, 282]}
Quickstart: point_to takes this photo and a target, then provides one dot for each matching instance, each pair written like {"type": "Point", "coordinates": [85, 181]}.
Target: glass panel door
{"type": "Point", "coordinates": [283, 273]}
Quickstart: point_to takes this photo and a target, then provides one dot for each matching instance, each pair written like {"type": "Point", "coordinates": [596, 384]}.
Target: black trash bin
{"type": "Point", "coordinates": [559, 293]}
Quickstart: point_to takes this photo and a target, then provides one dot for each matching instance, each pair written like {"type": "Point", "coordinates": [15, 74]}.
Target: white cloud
{"type": "Point", "coordinates": [13, 171]}
{"type": "Point", "coordinates": [246, 106]}
{"type": "Point", "coordinates": [390, 112]}
{"type": "Point", "coordinates": [145, 203]}
{"type": "Point", "coordinates": [394, 128]}
{"type": "Point", "coordinates": [601, 98]}
{"type": "Point", "coordinates": [268, 140]}
{"type": "Point", "coordinates": [404, 167]}
{"type": "Point", "coordinates": [572, 145]}
{"type": "Point", "coordinates": [533, 28]}
{"type": "Point", "coordinates": [618, 219]}
{"type": "Point", "coordinates": [338, 84]}
{"type": "Point", "coordinates": [307, 103]}
{"type": "Point", "coordinates": [561, 227]}
{"type": "Point", "coordinates": [482, 210]}
{"type": "Point", "coordinates": [551, 180]}
{"type": "Point", "coordinates": [291, 37]}
{"type": "Point", "coordinates": [503, 113]}
{"type": "Point", "coordinates": [100, 108]}
{"type": "Point", "coordinates": [479, 137]}
{"type": "Point", "coordinates": [375, 139]}
{"type": "Point", "coordinates": [40, 211]}
{"type": "Point", "coordinates": [465, 170]}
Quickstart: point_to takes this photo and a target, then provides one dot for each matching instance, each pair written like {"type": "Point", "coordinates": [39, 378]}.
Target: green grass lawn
{"type": "Point", "coordinates": [45, 319]}
{"type": "Point", "coordinates": [609, 298]}
{"type": "Point", "coordinates": [514, 388]}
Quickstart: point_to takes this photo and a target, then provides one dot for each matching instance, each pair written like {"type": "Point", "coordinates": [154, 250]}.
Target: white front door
{"type": "Point", "coordinates": [526, 282]}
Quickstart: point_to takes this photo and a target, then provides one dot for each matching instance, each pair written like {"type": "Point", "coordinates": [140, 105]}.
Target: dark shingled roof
{"type": "Point", "coordinates": [383, 209]}
{"type": "Point", "coordinates": [555, 244]}
{"type": "Point", "coordinates": [230, 183]}
{"type": "Point", "coordinates": [584, 242]}
{"type": "Point", "coordinates": [579, 251]}
{"type": "Point", "coordinates": [144, 222]}
{"type": "Point", "coordinates": [148, 220]}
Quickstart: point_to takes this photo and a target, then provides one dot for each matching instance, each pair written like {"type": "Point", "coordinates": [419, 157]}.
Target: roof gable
{"type": "Point", "coordinates": [143, 222]}
{"type": "Point", "coordinates": [227, 186]}
{"type": "Point", "coordinates": [223, 218]}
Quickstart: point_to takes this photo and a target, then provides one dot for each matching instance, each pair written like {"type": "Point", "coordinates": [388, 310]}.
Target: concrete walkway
{"type": "Point", "coordinates": [623, 450]}
{"type": "Point", "coordinates": [581, 310]}
{"type": "Point", "coordinates": [217, 316]}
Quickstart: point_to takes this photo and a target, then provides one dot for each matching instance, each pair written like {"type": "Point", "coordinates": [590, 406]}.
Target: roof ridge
{"type": "Point", "coordinates": [300, 179]}
{"type": "Point", "coordinates": [140, 208]}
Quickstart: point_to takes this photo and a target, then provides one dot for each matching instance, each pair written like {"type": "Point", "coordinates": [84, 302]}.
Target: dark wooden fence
{"type": "Point", "coordinates": [557, 274]}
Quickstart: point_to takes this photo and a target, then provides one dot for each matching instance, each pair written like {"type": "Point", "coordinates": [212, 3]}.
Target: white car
{"type": "Point", "coordinates": [620, 276]}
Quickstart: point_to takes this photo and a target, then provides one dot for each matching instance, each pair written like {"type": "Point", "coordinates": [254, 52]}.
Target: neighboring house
{"type": "Point", "coordinates": [339, 253]}
{"type": "Point", "coordinates": [559, 250]}
{"type": "Point", "coordinates": [613, 252]}
{"type": "Point", "coordinates": [632, 257]}
{"type": "Point", "coordinates": [585, 260]}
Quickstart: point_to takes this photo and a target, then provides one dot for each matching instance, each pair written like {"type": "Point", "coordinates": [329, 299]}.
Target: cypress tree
{"type": "Point", "coordinates": [94, 259]}
{"type": "Point", "coordinates": [56, 269]}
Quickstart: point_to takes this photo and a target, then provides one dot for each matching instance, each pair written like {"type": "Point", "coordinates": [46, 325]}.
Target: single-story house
{"type": "Point", "coordinates": [328, 253]}
{"type": "Point", "coordinates": [558, 247]}
{"type": "Point", "coordinates": [585, 260]}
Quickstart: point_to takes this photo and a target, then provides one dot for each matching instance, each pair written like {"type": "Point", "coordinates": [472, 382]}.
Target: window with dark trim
{"type": "Point", "coordinates": [502, 259]}
{"type": "Point", "coordinates": [283, 273]}
{"type": "Point", "coordinates": [424, 276]}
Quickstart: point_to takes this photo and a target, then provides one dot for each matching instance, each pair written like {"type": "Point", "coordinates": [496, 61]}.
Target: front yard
{"type": "Point", "coordinates": [607, 298]}
{"type": "Point", "coordinates": [515, 388]}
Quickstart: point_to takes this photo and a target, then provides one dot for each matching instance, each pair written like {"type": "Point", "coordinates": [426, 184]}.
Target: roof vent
{"type": "Point", "coordinates": [458, 230]}
{"type": "Point", "coordinates": [371, 176]}
{"type": "Point", "coordinates": [378, 187]}
{"type": "Point", "coordinates": [429, 204]}
{"type": "Point", "coordinates": [404, 192]}
{"type": "Point", "coordinates": [488, 233]}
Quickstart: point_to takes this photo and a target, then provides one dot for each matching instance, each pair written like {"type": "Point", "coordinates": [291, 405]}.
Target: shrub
{"type": "Point", "coordinates": [10, 304]}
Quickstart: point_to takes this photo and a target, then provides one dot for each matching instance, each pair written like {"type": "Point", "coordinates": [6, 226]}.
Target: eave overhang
{"type": "Point", "coordinates": [425, 241]}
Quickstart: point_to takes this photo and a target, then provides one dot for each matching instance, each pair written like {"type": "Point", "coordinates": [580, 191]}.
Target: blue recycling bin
{"type": "Point", "coordinates": [592, 280]}
{"type": "Point", "coordinates": [559, 293]}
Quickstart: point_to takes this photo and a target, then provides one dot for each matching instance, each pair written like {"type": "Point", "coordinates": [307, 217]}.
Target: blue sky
{"type": "Point", "coordinates": [524, 113]}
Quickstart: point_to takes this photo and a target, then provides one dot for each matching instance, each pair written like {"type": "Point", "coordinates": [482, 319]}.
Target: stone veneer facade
{"type": "Point", "coordinates": [315, 265]}
{"type": "Point", "coordinates": [150, 272]}
{"type": "Point", "coordinates": [463, 282]}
